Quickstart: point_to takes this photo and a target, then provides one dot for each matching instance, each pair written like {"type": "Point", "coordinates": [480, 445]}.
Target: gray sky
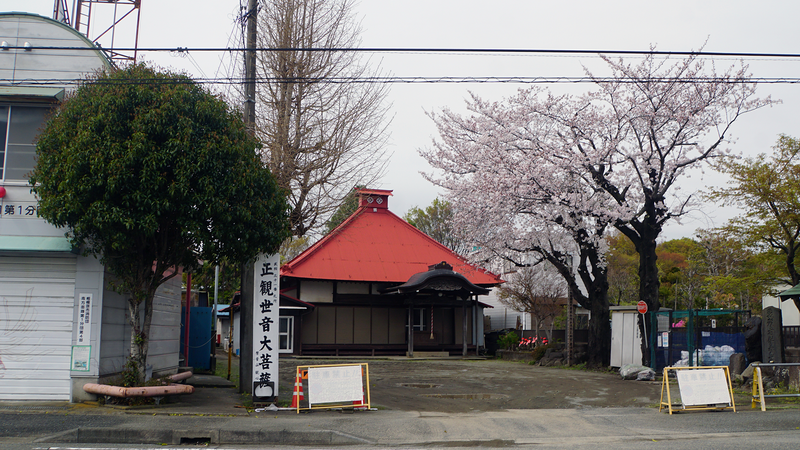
{"type": "Point", "coordinates": [677, 25]}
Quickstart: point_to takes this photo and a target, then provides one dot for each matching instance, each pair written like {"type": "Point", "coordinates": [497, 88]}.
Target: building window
{"type": "Point", "coordinates": [19, 127]}
{"type": "Point", "coordinates": [420, 319]}
{"type": "Point", "coordinates": [286, 334]}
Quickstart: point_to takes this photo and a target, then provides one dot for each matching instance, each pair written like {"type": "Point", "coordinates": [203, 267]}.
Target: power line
{"type": "Point", "coordinates": [425, 50]}
{"type": "Point", "coordinates": [416, 80]}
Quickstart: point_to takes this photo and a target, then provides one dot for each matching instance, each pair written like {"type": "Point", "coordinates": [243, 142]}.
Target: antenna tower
{"type": "Point", "coordinates": [111, 24]}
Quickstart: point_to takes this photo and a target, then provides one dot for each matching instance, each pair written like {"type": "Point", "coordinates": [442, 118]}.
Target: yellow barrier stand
{"type": "Point", "coordinates": [758, 390]}
{"type": "Point", "coordinates": [758, 384]}
{"type": "Point", "coordinates": [720, 402]}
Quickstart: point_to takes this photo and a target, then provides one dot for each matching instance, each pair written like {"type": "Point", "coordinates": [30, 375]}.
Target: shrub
{"type": "Point", "coordinates": [508, 341]}
{"type": "Point", "coordinates": [539, 352]}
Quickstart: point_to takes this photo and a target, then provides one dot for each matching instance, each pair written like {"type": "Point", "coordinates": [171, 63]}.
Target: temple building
{"type": "Point", "coordinates": [379, 286]}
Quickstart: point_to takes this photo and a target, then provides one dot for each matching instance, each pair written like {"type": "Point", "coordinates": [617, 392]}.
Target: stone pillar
{"type": "Point", "coordinates": [772, 335]}
{"type": "Point", "coordinates": [752, 339]}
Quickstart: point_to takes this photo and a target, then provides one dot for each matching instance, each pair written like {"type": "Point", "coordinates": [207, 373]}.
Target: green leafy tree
{"type": "Point", "coordinates": [346, 209]}
{"type": "Point", "coordinates": [766, 188]}
{"type": "Point", "coordinates": [734, 276]}
{"type": "Point", "coordinates": [672, 261]}
{"type": "Point", "coordinates": [150, 172]}
{"type": "Point", "coordinates": [230, 279]}
{"type": "Point", "coordinates": [623, 270]}
{"type": "Point", "coordinates": [293, 246]}
{"type": "Point", "coordinates": [681, 272]}
{"type": "Point", "coordinates": [435, 221]}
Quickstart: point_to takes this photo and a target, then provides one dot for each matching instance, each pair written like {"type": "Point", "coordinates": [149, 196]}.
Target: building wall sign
{"type": "Point", "coordinates": [85, 320]}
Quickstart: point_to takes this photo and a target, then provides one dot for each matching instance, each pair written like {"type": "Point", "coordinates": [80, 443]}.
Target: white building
{"type": "Point", "coordinates": [502, 317]}
{"type": "Point", "coordinates": [789, 313]}
{"type": "Point", "coordinates": [60, 324]}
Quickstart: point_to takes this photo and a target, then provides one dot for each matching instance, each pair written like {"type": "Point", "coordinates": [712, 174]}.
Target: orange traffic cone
{"type": "Point", "coordinates": [297, 395]}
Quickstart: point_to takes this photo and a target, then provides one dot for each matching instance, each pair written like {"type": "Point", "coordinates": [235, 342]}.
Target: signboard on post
{"type": "Point", "coordinates": [266, 311]}
{"type": "Point", "coordinates": [333, 386]}
{"type": "Point", "coordinates": [703, 387]}
{"type": "Point", "coordinates": [641, 307]}
{"type": "Point", "coordinates": [706, 387]}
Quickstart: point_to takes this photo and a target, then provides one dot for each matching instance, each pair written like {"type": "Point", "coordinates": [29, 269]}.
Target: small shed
{"type": "Point", "coordinates": [626, 339]}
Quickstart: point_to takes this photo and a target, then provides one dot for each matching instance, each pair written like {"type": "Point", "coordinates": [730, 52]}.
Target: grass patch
{"type": "Point", "coordinates": [221, 370]}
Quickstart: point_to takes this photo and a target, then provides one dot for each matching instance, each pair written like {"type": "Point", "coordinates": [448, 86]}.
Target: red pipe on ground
{"type": "Point", "coordinates": [146, 391]}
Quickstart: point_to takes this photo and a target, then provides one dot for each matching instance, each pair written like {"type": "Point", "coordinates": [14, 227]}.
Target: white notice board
{"type": "Point", "coordinates": [703, 387]}
{"type": "Point", "coordinates": [335, 384]}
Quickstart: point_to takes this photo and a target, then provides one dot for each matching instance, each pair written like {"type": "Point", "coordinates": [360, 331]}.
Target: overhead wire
{"type": "Point", "coordinates": [232, 78]}
{"type": "Point", "coordinates": [420, 80]}
{"type": "Point", "coordinates": [232, 67]}
{"type": "Point", "coordinates": [432, 50]}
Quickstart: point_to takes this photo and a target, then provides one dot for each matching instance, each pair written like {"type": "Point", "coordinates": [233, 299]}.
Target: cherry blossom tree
{"type": "Point", "coordinates": [518, 206]}
{"type": "Point", "coordinates": [610, 157]}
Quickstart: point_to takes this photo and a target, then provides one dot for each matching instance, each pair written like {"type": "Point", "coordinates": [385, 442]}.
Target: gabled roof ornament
{"type": "Point", "coordinates": [442, 265]}
{"type": "Point", "coordinates": [373, 198]}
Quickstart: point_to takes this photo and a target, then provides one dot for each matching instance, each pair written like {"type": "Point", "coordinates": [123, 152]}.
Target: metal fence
{"type": "Point", "coordinates": [696, 337]}
{"type": "Point", "coordinates": [791, 336]}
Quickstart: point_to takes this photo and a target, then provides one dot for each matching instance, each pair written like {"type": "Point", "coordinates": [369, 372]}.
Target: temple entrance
{"type": "Point", "coordinates": [441, 309]}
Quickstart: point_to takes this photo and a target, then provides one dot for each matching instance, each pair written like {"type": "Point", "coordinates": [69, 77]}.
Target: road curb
{"type": "Point", "coordinates": [200, 437]}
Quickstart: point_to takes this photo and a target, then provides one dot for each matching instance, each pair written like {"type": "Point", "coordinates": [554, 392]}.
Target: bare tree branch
{"type": "Point", "coordinates": [321, 139]}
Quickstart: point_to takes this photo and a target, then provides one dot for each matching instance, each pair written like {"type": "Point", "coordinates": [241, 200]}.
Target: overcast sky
{"type": "Point", "coordinates": [676, 25]}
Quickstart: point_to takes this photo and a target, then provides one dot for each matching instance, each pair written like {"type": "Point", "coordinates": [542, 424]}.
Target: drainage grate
{"type": "Point", "coordinates": [195, 441]}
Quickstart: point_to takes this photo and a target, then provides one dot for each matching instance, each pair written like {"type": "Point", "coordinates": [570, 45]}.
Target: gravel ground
{"type": "Point", "coordinates": [450, 385]}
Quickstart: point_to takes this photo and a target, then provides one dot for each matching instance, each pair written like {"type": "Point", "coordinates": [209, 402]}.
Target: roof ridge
{"type": "Point", "coordinates": [425, 251]}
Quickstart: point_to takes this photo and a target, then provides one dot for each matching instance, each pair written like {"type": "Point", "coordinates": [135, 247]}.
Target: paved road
{"type": "Point", "coordinates": [596, 427]}
{"type": "Point", "coordinates": [593, 411]}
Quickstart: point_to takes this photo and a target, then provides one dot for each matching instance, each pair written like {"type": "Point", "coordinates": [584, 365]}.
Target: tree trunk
{"type": "Point", "coordinates": [649, 284]}
{"type": "Point", "coordinates": [140, 331]}
{"type": "Point", "coordinates": [599, 326]}
{"type": "Point", "coordinates": [137, 354]}
{"type": "Point", "coordinates": [145, 342]}
{"type": "Point", "coordinates": [643, 235]}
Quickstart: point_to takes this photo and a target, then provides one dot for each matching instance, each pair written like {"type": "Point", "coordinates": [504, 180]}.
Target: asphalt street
{"type": "Point", "coordinates": [576, 428]}
{"type": "Point", "coordinates": [561, 409]}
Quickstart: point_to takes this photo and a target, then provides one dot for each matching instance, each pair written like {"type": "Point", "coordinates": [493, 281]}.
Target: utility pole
{"type": "Point", "coordinates": [247, 295]}
{"type": "Point", "coordinates": [250, 67]}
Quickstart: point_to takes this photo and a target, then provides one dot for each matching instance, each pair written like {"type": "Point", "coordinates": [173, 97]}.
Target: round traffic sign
{"type": "Point", "coordinates": [641, 306]}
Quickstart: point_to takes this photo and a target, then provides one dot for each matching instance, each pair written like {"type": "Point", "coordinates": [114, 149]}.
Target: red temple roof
{"type": "Point", "coordinates": [376, 245]}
